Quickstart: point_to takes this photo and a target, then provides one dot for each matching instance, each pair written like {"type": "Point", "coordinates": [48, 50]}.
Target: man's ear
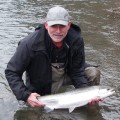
{"type": "Point", "coordinates": [46, 25]}
{"type": "Point", "coordinates": [69, 24]}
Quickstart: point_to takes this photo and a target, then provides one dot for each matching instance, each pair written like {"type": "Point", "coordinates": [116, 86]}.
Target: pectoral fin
{"type": "Point", "coordinates": [71, 109]}
{"type": "Point", "coordinates": [48, 109]}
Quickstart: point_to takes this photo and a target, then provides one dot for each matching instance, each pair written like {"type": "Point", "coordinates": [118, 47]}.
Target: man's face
{"type": "Point", "coordinates": [57, 32]}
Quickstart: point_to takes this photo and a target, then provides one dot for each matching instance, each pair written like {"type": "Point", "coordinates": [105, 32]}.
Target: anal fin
{"type": "Point", "coordinates": [48, 109]}
{"type": "Point", "coordinates": [71, 109]}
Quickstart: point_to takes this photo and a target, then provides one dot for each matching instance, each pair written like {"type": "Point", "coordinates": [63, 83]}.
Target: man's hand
{"type": "Point", "coordinates": [33, 101]}
{"type": "Point", "coordinates": [94, 101]}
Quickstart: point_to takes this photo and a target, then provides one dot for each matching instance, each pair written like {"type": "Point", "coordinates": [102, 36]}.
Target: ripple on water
{"type": "Point", "coordinates": [101, 34]}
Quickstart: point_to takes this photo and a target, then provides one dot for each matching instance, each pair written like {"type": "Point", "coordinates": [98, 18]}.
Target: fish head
{"type": "Point", "coordinates": [105, 92]}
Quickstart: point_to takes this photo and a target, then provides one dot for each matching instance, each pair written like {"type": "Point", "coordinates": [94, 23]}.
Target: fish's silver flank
{"type": "Point", "coordinates": [75, 98]}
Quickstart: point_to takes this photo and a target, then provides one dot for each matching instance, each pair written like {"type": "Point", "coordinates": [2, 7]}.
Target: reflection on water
{"type": "Point", "coordinates": [83, 113]}
{"type": "Point", "coordinates": [100, 24]}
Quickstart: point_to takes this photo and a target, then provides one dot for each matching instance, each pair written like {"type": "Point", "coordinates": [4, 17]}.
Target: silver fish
{"type": "Point", "coordinates": [75, 98]}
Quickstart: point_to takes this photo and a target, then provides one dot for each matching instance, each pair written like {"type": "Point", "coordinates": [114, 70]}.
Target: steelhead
{"type": "Point", "coordinates": [75, 98]}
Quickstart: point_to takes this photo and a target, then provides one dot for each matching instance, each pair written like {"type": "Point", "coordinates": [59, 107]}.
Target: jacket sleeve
{"type": "Point", "coordinates": [14, 71]}
{"type": "Point", "coordinates": [78, 65]}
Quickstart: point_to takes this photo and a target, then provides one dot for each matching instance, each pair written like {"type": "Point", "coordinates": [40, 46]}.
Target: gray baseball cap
{"type": "Point", "coordinates": [57, 15]}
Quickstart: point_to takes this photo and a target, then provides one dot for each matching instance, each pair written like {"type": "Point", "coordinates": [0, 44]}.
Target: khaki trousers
{"type": "Point", "coordinates": [59, 78]}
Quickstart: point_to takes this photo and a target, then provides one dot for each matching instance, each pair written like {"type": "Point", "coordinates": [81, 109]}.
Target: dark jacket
{"type": "Point", "coordinates": [32, 56]}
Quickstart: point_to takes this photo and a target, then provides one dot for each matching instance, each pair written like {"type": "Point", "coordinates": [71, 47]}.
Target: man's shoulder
{"type": "Point", "coordinates": [74, 35]}
{"type": "Point", "coordinates": [35, 40]}
{"type": "Point", "coordinates": [30, 38]}
{"type": "Point", "coordinates": [75, 28]}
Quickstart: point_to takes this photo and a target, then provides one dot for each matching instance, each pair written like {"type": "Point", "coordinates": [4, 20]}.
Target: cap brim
{"type": "Point", "coordinates": [59, 22]}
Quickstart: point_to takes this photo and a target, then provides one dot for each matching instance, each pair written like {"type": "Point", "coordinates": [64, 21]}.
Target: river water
{"type": "Point", "coordinates": [100, 24]}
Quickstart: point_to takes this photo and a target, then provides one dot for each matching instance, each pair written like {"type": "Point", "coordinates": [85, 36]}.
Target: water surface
{"type": "Point", "coordinates": [100, 26]}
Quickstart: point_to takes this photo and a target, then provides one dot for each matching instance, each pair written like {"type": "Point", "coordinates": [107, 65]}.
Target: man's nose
{"type": "Point", "coordinates": [58, 29]}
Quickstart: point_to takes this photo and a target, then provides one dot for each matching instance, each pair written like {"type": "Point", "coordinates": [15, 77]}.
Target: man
{"type": "Point", "coordinates": [52, 56]}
